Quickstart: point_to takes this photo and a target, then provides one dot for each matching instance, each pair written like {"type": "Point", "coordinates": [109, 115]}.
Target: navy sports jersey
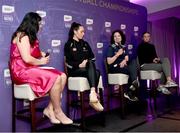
{"type": "Point", "coordinates": [112, 50]}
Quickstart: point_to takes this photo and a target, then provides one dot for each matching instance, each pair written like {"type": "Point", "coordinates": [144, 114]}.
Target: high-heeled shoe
{"type": "Point", "coordinates": [64, 119]}
{"type": "Point", "coordinates": [52, 119]}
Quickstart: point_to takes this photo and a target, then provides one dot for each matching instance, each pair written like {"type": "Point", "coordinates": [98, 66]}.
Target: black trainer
{"type": "Point", "coordinates": [136, 84]}
{"type": "Point", "coordinates": [132, 88]}
{"type": "Point", "coordinates": [130, 96]}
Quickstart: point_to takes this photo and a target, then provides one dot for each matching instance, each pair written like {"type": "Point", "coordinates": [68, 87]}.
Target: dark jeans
{"type": "Point", "coordinates": [133, 70]}
{"type": "Point", "coordinates": [90, 72]}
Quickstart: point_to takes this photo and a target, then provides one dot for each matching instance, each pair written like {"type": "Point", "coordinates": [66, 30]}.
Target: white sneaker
{"type": "Point", "coordinates": [170, 84]}
{"type": "Point", "coordinates": [163, 90]}
{"type": "Point", "coordinates": [130, 97]}
{"type": "Point", "coordinates": [160, 88]}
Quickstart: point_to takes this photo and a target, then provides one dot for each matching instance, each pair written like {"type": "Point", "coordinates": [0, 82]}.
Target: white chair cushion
{"type": "Point", "coordinates": [24, 91]}
{"type": "Point", "coordinates": [150, 74]}
{"type": "Point", "coordinates": [81, 84]}
{"type": "Point", "coordinates": [119, 79]}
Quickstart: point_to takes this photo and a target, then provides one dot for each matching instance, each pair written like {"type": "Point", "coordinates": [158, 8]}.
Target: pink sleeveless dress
{"type": "Point", "coordinates": [40, 79]}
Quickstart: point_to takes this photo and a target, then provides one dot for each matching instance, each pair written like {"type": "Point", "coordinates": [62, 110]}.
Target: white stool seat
{"type": "Point", "coordinates": [81, 84]}
{"type": "Point", "coordinates": [119, 79]}
{"type": "Point", "coordinates": [150, 75]}
{"type": "Point", "coordinates": [24, 91]}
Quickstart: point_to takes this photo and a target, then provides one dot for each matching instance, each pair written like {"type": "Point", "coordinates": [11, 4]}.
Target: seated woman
{"type": "Point", "coordinates": [25, 59]}
{"type": "Point", "coordinates": [80, 62]}
{"type": "Point", "coordinates": [149, 60]}
{"type": "Point", "coordinates": [117, 59]}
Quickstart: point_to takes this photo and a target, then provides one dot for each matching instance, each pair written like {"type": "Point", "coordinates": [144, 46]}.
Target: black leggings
{"type": "Point", "coordinates": [90, 72]}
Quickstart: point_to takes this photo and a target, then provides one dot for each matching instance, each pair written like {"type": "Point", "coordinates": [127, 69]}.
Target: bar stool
{"type": "Point", "coordinates": [117, 79]}
{"type": "Point", "coordinates": [23, 93]}
{"type": "Point", "coordinates": [81, 85]}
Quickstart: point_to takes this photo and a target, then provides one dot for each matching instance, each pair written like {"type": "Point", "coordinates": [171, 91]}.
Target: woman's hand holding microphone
{"type": "Point", "coordinates": [120, 52]}
{"type": "Point", "coordinates": [45, 58]}
{"type": "Point", "coordinates": [83, 64]}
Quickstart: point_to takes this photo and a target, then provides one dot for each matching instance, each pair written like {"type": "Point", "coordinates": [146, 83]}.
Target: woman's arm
{"type": "Point", "coordinates": [24, 49]}
{"type": "Point", "coordinates": [124, 62]}
{"type": "Point", "coordinates": [126, 58]}
{"type": "Point", "coordinates": [112, 59]}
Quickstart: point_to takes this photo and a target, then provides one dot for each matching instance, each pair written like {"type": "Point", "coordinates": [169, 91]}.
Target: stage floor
{"type": "Point", "coordinates": [141, 117]}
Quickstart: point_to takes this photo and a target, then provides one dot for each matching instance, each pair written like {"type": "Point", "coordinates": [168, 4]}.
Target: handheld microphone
{"type": "Point", "coordinates": [47, 54]}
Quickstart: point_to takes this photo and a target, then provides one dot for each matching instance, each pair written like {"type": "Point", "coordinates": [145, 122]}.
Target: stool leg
{"type": "Point", "coordinates": [154, 94]}
{"type": "Point", "coordinates": [108, 97]}
{"type": "Point", "coordinates": [101, 96]}
{"type": "Point", "coordinates": [33, 117]}
{"type": "Point", "coordinates": [102, 102]}
{"type": "Point", "coordinates": [150, 91]}
{"type": "Point", "coordinates": [177, 91]}
{"type": "Point", "coordinates": [149, 100]}
{"type": "Point", "coordinates": [168, 102]}
{"type": "Point", "coordinates": [13, 114]}
{"type": "Point", "coordinates": [121, 91]}
{"type": "Point", "coordinates": [82, 111]}
{"type": "Point", "coordinates": [68, 103]}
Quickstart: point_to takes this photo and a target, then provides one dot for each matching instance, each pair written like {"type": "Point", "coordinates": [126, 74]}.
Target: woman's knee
{"type": "Point", "coordinates": [58, 80]}
{"type": "Point", "coordinates": [63, 77]}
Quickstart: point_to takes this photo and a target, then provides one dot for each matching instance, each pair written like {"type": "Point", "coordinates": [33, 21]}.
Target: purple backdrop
{"type": "Point", "coordinates": [99, 17]}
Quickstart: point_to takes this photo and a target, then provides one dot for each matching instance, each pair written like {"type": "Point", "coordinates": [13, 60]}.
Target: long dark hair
{"type": "Point", "coordinates": [29, 26]}
{"type": "Point", "coordinates": [74, 26]}
{"type": "Point", "coordinates": [122, 36]}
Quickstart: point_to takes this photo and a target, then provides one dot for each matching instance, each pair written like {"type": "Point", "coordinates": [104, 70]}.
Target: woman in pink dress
{"type": "Point", "coordinates": [25, 59]}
